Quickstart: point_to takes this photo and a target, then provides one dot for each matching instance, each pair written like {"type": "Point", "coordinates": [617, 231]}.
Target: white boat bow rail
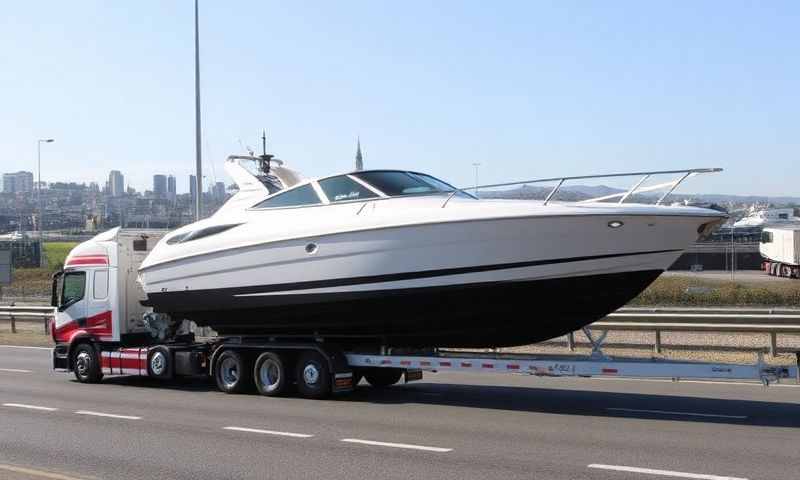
{"type": "Point", "coordinates": [636, 188]}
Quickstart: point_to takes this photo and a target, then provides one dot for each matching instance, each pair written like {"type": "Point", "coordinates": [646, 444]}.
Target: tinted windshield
{"type": "Point", "coordinates": [395, 183]}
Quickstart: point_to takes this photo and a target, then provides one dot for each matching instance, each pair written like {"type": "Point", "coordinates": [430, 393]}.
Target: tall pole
{"type": "Point", "coordinates": [39, 190]}
{"type": "Point", "coordinates": [197, 143]}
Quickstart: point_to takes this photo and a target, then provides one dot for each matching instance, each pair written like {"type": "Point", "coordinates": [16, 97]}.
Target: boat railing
{"type": "Point", "coordinates": [670, 186]}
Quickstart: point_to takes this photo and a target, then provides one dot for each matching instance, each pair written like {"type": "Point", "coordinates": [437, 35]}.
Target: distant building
{"type": "Point", "coordinates": [193, 188]}
{"type": "Point", "coordinates": [160, 186]}
{"type": "Point", "coordinates": [171, 188]}
{"type": "Point", "coordinates": [116, 183]}
{"type": "Point", "coordinates": [218, 192]}
{"type": "Point", "coordinates": [18, 182]}
{"type": "Point", "coordinates": [359, 157]}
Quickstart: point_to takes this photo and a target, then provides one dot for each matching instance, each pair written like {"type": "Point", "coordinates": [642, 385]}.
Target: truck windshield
{"type": "Point", "coordinates": [73, 289]}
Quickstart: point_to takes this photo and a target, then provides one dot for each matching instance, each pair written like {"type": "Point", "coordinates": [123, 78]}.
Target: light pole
{"type": "Point", "coordinates": [39, 183]}
{"type": "Point", "coordinates": [476, 165]}
{"type": "Point", "coordinates": [197, 146]}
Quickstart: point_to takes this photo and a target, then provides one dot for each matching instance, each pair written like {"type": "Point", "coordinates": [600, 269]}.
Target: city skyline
{"type": "Point", "coordinates": [530, 90]}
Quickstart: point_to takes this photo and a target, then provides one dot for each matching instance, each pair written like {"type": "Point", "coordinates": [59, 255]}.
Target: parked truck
{"type": "Point", "coordinates": [102, 328]}
{"type": "Point", "coordinates": [780, 247]}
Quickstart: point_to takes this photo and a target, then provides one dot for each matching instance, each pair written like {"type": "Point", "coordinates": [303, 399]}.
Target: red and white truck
{"type": "Point", "coordinates": [780, 247]}
{"type": "Point", "coordinates": [101, 328]}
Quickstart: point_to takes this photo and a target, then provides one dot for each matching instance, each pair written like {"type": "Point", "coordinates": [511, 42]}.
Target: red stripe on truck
{"type": "Point", "coordinates": [88, 260]}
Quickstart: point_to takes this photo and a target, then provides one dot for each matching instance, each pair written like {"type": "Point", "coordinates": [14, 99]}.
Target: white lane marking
{"type": "Point", "coordinates": [668, 412]}
{"type": "Point", "coordinates": [269, 432]}
{"type": "Point", "coordinates": [665, 473]}
{"type": "Point", "coordinates": [30, 407]}
{"type": "Point", "coordinates": [25, 346]}
{"type": "Point", "coordinates": [397, 445]}
{"type": "Point", "coordinates": [14, 370]}
{"type": "Point", "coordinates": [109, 415]}
{"type": "Point", "coordinates": [36, 473]}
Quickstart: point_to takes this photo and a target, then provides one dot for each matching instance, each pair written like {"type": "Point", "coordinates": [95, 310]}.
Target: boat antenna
{"type": "Point", "coordinates": [264, 158]}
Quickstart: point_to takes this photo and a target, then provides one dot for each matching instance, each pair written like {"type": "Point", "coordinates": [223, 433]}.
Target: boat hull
{"type": "Point", "coordinates": [494, 282]}
{"type": "Point", "coordinates": [492, 314]}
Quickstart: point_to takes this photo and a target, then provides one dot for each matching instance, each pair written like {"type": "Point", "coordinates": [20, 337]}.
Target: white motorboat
{"type": "Point", "coordinates": [763, 216]}
{"type": "Point", "coordinates": [408, 259]}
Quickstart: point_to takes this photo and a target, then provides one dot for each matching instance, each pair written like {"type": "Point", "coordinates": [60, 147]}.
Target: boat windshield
{"type": "Point", "coordinates": [397, 183]}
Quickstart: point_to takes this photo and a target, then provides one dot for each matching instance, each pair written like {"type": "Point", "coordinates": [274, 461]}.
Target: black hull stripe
{"type": "Point", "coordinates": [395, 277]}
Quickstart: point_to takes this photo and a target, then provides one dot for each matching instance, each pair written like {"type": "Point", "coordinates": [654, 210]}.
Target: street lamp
{"type": "Point", "coordinates": [39, 183]}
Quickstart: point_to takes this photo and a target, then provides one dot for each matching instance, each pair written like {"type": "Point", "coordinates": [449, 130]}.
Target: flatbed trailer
{"type": "Point", "coordinates": [273, 366]}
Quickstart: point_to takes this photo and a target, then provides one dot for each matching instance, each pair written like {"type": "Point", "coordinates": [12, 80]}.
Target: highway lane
{"type": "Point", "coordinates": [448, 426]}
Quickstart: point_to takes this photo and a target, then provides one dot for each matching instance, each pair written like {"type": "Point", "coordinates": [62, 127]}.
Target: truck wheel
{"type": "Point", "coordinates": [786, 271]}
{"type": "Point", "coordinates": [383, 377]}
{"type": "Point", "coordinates": [269, 374]}
{"type": "Point", "coordinates": [159, 363]}
{"type": "Point", "coordinates": [86, 364]}
{"type": "Point", "coordinates": [232, 372]}
{"type": "Point", "coordinates": [313, 375]}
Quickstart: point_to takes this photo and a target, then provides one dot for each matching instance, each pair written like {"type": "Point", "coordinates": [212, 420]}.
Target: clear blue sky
{"type": "Point", "coordinates": [529, 89]}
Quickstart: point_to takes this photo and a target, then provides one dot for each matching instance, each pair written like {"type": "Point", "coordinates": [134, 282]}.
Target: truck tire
{"type": "Point", "coordinates": [269, 374]}
{"type": "Point", "coordinates": [786, 271]}
{"type": "Point", "coordinates": [383, 377]}
{"type": "Point", "coordinates": [160, 363]}
{"type": "Point", "coordinates": [86, 364]}
{"type": "Point", "coordinates": [313, 375]}
{"type": "Point", "coordinates": [232, 373]}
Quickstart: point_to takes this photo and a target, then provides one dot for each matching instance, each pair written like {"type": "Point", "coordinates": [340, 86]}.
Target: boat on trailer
{"type": "Point", "coordinates": [403, 259]}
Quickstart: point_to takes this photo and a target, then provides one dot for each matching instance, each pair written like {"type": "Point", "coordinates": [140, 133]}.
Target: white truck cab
{"type": "Point", "coordinates": [96, 295]}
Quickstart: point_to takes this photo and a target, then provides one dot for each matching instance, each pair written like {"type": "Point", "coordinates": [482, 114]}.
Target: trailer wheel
{"type": "Point", "coordinates": [269, 374]}
{"type": "Point", "coordinates": [383, 377]}
{"type": "Point", "coordinates": [159, 363]}
{"type": "Point", "coordinates": [786, 271]}
{"type": "Point", "coordinates": [86, 364]}
{"type": "Point", "coordinates": [232, 372]}
{"type": "Point", "coordinates": [313, 375]}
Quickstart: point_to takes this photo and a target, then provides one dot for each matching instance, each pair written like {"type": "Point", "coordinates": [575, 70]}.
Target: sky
{"type": "Point", "coordinates": [528, 89]}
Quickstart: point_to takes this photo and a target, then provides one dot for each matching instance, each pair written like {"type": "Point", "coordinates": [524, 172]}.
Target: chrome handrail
{"type": "Point", "coordinates": [623, 195]}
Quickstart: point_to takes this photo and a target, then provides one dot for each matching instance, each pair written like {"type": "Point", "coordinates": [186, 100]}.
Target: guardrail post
{"type": "Point", "coordinates": [46, 319]}
{"type": "Point", "coordinates": [13, 324]}
{"type": "Point", "coordinates": [657, 343]}
{"type": "Point", "coordinates": [773, 344]}
{"type": "Point", "coordinates": [571, 341]}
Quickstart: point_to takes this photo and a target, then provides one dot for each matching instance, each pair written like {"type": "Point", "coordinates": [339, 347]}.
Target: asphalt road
{"type": "Point", "coordinates": [456, 426]}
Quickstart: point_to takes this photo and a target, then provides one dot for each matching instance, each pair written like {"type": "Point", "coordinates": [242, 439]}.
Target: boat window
{"type": "Point", "coordinates": [395, 183]}
{"type": "Point", "coordinates": [342, 189]}
{"type": "Point", "coordinates": [73, 288]}
{"type": "Point", "coordinates": [203, 232]}
{"type": "Point", "coordinates": [766, 237]}
{"type": "Point", "coordinates": [295, 197]}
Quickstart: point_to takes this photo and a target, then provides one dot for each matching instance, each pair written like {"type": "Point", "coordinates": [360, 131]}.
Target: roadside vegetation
{"type": "Point", "coordinates": [34, 283]}
{"type": "Point", "coordinates": [694, 292]}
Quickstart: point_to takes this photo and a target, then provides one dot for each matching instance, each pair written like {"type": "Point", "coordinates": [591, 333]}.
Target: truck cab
{"type": "Point", "coordinates": [96, 295]}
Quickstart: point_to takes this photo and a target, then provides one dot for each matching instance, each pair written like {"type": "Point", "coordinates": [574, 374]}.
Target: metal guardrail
{"type": "Point", "coordinates": [720, 320]}
{"type": "Point", "coordinates": [26, 312]}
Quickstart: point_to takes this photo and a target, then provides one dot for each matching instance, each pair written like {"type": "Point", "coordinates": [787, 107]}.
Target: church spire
{"type": "Point", "coordinates": [359, 157]}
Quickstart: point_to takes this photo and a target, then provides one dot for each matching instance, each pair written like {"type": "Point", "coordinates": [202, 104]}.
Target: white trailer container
{"type": "Point", "coordinates": [780, 247]}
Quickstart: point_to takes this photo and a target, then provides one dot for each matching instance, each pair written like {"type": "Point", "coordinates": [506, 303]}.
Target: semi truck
{"type": "Point", "coordinates": [780, 247]}
{"type": "Point", "coordinates": [101, 327]}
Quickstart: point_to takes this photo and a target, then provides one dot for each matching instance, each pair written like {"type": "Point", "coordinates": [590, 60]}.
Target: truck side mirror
{"type": "Point", "coordinates": [54, 293]}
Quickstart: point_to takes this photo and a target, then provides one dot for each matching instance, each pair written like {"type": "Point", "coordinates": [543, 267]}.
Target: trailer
{"type": "Point", "coordinates": [780, 247]}
{"type": "Point", "coordinates": [102, 329]}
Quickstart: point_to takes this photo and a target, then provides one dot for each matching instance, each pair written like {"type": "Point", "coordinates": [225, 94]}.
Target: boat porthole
{"type": "Point", "coordinates": [311, 248]}
{"type": "Point", "coordinates": [615, 224]}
